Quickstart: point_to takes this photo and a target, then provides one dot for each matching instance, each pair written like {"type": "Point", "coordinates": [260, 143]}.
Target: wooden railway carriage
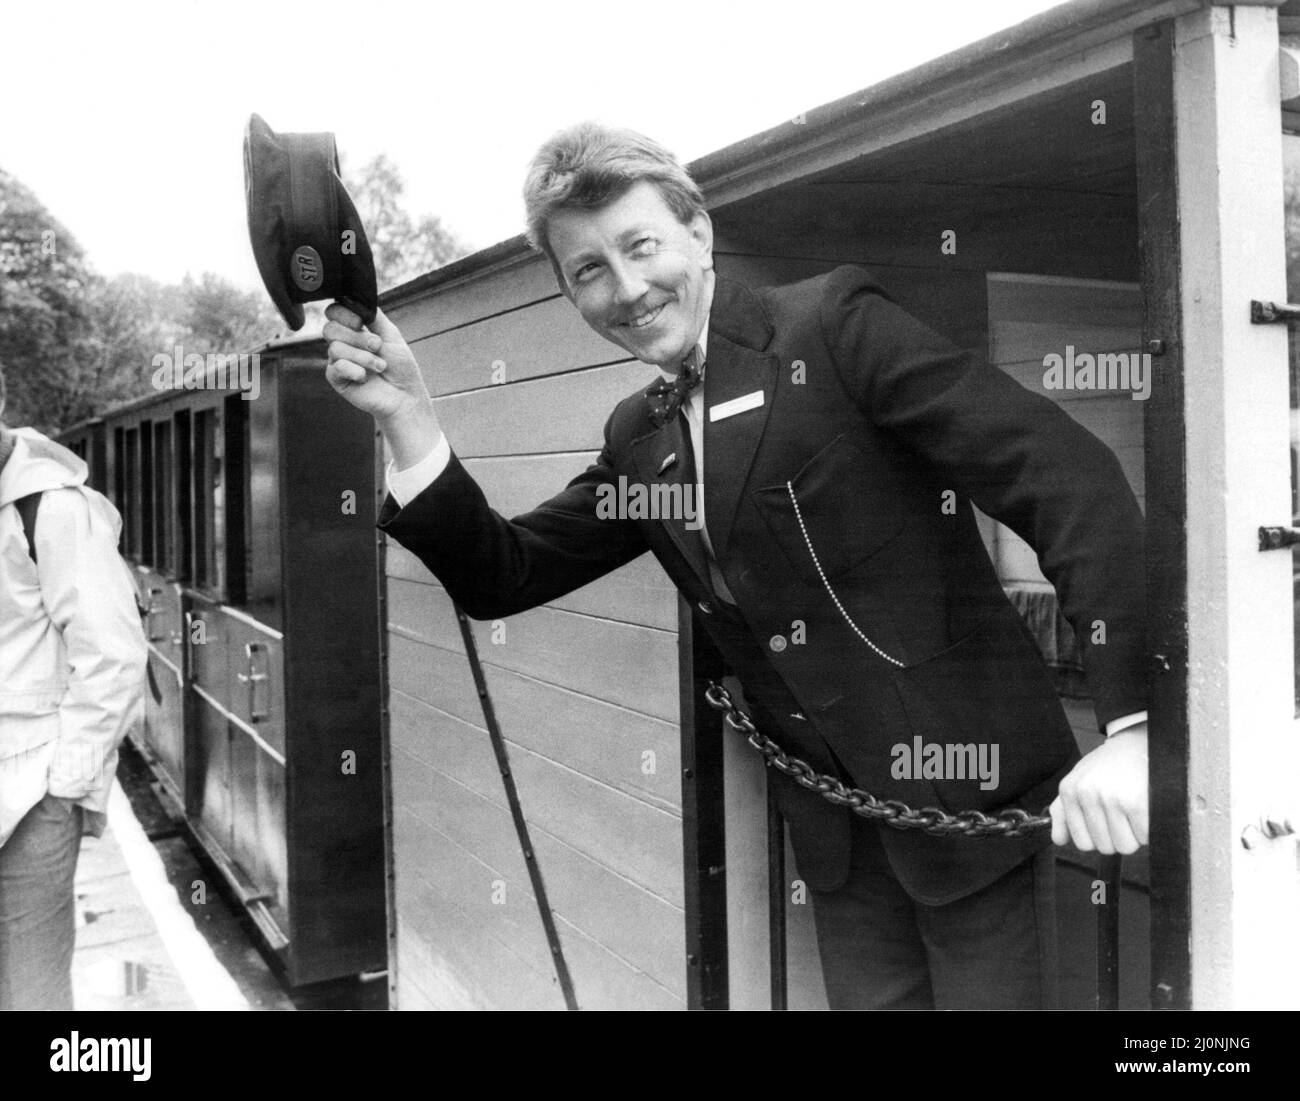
{"type": "Point", "coordinates": [1103, 179]}
{"type": "Point", "coordinates": [249, 515]}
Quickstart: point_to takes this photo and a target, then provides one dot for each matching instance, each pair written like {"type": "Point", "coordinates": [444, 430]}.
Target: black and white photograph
{"type": "Point", "coordinates": [772, 507]}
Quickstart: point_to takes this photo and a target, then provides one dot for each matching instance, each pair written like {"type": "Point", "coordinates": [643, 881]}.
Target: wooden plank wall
{"type": "Point", "coordinates": [585, 690]}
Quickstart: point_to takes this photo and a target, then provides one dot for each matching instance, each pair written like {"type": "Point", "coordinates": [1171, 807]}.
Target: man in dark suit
{"type": "Point", "coordinates": [834, 558]}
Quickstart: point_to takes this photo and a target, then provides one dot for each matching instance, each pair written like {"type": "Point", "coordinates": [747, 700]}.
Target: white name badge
{"type": "Point", "coordinates": [736, 405]}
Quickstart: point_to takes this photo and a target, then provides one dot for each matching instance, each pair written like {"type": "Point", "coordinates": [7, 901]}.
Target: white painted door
{"type": "Point", "coordinates": [1243, 734]}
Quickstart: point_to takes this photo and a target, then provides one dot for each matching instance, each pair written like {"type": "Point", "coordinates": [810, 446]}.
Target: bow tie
{"type": "Point", "coordinates": [665, 398]}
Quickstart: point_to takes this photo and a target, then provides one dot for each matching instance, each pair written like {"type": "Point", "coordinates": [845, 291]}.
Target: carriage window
{"type": "Point", "coordinates": [98, 459]}
{"type": "Point", "coordinates": [146, 494]}
{"type": "Point", "coordinates": [163, 468]}
{"type": "Point", "coordinates": [184, 516]}
{"type": "Point", "coordinates": [236, 500]}
{"type": "Point", "coordinates": [119, 476]}
{"type": "Point", "coordinates": [209, 501]}
{"type": "Point", "coordinates": [131, 492]}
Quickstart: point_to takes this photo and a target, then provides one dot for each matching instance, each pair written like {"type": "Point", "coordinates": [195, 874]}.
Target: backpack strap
{"type": "Point", "coordinates": [27, 507]}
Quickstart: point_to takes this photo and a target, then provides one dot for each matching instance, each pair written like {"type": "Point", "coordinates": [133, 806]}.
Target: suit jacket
{"type": "Point", "coordinates": [846, 496]}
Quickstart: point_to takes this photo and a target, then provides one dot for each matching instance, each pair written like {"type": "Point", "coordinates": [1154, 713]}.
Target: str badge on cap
{"type": "Point", "coordinates": [307, 237]}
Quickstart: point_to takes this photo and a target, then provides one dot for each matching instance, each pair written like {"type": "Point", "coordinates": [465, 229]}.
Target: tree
{"type": "Point", "coordinates": [132, 322]}
{"type": "Point", "coordinates": [216, 316]}
{"type": "Point", "coordinates": [402, 247]}
{"type": "Point", "coordinates": [46, 327]}
{"type": "Point", "coordinates": [74, 344]}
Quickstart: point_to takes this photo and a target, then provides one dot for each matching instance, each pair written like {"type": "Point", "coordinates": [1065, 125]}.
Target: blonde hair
{"type": "Point", "coordinates": [588, 165]}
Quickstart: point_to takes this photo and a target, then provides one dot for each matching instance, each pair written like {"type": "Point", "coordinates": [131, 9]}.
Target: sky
{"type": "Point", "coordinates": [126, 118]}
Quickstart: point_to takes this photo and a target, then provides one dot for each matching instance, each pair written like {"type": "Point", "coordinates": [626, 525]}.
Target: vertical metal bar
{"type": "Point", "coordinates": [1108, 935]}
{"type": "Point", "coordinates": [703, 820]}
{"type": "Point", "coordinates": [1166, 511]}
{"type": "Point", "coordinates": [776, 923]}
{"type": "Point", "coordinates": [385, 728]}
{"type": "Point", "coordinates": [517, 813]}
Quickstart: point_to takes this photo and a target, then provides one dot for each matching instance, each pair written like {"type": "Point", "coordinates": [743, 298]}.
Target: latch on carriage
{"type": "Point", "coordinates": [1277, 538]}
{"type": "Point", "coordinates": [150, 611]}
{"type": "Point", "coordinates": [253, 677]}
{"type": "Point", "coordinates": [1273, 313]}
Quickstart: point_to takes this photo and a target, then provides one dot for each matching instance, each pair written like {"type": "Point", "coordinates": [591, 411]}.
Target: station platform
{"type": "Point", "coordinates": [136, 946]}
{"type": "Point", "coordinates": [154, 931]}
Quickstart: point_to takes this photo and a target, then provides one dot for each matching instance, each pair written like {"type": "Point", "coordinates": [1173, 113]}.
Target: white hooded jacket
{"type": "Point", "coordinates": [72, 652]}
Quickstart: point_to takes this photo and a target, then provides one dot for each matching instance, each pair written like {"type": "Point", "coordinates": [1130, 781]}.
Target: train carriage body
{"type": "Point", "coordinates": [248, 513]}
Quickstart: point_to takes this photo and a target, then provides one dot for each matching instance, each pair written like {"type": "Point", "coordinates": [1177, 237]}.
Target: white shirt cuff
{"type": "Point", "coordinates": [1124, 722]}
{"type": "Point", "coordinates": [406, 485]}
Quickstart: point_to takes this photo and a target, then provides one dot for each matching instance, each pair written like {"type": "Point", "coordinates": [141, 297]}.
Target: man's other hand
{"type": "Point", "coordinates": [1103, 802]}
{"type": "Point", "coordinates": [376, 371]}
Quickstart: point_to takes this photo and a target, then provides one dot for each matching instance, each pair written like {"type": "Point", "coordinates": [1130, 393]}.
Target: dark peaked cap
{"type": "Point", "coordinates": [298, 215]}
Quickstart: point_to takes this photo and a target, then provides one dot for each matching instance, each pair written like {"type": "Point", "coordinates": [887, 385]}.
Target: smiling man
{"type": "Point", "coordinates": [825, 429]}
{"type": "Point", "coordinates": [640, 274]}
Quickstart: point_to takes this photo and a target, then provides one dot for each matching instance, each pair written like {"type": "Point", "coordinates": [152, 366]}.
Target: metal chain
{"type": "Point", "coordinates": [1012, 822]}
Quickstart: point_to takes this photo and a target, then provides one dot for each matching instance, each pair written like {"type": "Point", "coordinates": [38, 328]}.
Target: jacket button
{"type": "Point", "coordinates": [777, 643]}
{"type": "Point", "coordinates": [705, 607]}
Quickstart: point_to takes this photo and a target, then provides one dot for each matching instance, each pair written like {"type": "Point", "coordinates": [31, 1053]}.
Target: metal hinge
{"type": "Point", "coordinates": [1277, 538]}
{"type": "Point", "coordinates": [1273, 313]}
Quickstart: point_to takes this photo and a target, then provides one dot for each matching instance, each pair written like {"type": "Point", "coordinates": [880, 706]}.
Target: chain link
{"type": "Point", "coordinates": [1012, 822]}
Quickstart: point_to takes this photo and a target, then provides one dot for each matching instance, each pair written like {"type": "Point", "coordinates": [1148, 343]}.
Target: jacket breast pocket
{"type": "Point", "coordinates": [835, 512]}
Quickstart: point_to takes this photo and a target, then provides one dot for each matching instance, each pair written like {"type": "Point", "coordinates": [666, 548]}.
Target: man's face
{"type": "Point", "coordinates": [638, 276]}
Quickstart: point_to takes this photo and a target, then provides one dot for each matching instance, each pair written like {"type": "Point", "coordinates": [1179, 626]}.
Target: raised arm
{"type": "Point", "coordinates": [489, 565]}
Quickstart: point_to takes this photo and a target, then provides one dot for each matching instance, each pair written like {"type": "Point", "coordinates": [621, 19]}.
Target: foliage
{"type": "Point", "coordinates": [47, 330]}
{"type": "Point", "coordinates": [403, 247]}
{"type": "Point", "coordinates": [73, 343]}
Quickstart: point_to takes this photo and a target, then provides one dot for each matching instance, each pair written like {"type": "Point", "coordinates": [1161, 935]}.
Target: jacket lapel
{"type": "Point", "coordinates": [736, 367]}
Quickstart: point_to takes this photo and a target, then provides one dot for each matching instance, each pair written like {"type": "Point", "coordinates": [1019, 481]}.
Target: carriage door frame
{"type": "Point", "coordinates": [1223, 727]}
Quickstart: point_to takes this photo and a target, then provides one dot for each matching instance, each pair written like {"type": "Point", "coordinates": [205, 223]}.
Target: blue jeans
{"type": "Point", "coordinates": [37, 907]}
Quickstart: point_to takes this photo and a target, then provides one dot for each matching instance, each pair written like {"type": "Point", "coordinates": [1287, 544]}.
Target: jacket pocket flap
{"type": "Point", "coordinates": [836, 508]}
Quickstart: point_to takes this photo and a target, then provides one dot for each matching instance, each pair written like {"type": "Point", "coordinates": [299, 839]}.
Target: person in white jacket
{"type": "Point", "coordinates": [72, 666]}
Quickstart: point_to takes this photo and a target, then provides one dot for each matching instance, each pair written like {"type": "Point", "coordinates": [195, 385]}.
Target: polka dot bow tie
{"type": "Point", "coordinates": [665, 398]}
